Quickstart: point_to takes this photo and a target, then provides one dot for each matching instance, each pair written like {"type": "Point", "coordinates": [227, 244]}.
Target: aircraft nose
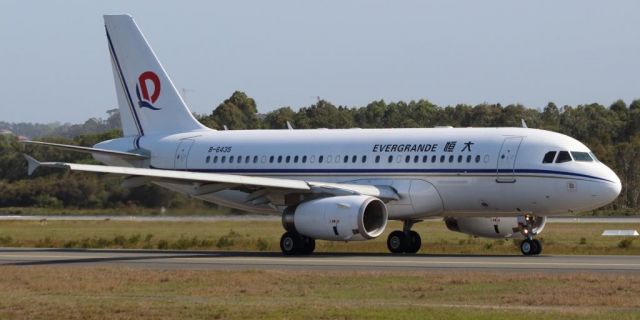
{"type": "Point", "coordinates": [613, 188]}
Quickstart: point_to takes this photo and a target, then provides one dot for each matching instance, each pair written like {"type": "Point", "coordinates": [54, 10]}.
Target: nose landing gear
{"type": "Point", "coordinates": [405, 241]}
{"type": "Point", "coordinates": [529, 246]}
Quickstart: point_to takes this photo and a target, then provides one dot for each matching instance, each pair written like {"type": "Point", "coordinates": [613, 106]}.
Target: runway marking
{"type": "Point", "coordinates": [352, 261]}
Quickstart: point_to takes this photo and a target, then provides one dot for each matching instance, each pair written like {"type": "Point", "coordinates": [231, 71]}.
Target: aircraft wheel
{"type": "Point", "coordinates": [414, 242]}
{"type": "Point", "coordinates": [290, 243]}
{"type": "Point", "coordinates": [396, 242]}
{"type": "Point", "coordinates": [527, 247]}
{"type": "Point", "coordinates": [308, 245]}
{"type": "Point", "coordinates": [537, 246]}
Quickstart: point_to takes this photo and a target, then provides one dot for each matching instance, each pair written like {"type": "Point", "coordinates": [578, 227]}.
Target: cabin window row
{"type": "Point", "coordinates": [345, 159]}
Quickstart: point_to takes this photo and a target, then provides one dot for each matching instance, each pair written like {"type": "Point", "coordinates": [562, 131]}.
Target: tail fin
{"type": "Point", "coordinates": [148, 101]}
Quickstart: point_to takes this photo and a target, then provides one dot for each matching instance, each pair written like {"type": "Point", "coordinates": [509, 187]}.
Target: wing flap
{"type": "Point", "coordinates": [119, 154]}
{"type": "Point", "coordinates": [174, 175]}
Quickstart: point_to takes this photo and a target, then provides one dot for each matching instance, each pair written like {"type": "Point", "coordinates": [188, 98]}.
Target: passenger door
{"type": "Point", "coordinates": [182, 154]}
{"type": "Point", "coordinates": [507, 159]}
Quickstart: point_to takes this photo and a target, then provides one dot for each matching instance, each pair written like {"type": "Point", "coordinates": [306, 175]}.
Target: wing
{"type": "Point", "coordinates": [204, 183]}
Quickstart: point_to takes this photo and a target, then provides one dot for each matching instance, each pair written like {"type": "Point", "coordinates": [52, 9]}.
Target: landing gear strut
{"type": "Point", "coordinates": [529, 246]}
{"type": "Point", "coordinates": [405, 241]}
{"type": "Point", "coordinates": [292, 243]}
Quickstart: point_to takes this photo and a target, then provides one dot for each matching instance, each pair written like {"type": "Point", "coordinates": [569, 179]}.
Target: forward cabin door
{"type": "Point", "coordinates": [507, 160]}
{"type": "Point", "coordinates": [182, 153]}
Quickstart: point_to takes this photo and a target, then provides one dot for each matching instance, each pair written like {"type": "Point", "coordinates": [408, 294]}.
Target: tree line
{"type": "Point", "coordinates": [611, 132]}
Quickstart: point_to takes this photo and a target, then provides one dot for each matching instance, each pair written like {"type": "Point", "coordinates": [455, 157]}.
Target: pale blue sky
{"type": "Point", "coordinates": [55, 65]}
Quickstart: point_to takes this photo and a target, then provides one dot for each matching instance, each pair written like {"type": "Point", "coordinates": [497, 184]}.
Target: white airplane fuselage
{"type": "Point", "coordinates": [467, 172]}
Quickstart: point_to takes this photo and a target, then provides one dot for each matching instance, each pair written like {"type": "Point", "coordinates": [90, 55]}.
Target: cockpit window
{"type": "Point", "coordinates": [563, 156]}
{"type": "Point", "coordinates": [594, 157]}
{"type": "Point", "coordinates": [581, 156]}
{"type": "Point", "coordinates": [548, 157]}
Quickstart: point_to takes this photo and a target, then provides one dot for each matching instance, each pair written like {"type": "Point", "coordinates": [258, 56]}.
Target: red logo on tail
{"type": "Point", "coordinates": [146, 100]}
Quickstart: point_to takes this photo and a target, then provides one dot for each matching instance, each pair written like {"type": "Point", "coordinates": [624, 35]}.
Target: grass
{"type": "Point", "coordinates": [132, 293]}
{"type": "Point", "coordinates": [252, 235]}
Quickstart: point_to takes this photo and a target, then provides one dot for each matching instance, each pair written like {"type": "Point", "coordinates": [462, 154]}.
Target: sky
{"type": "Point", "coordinates": [55, 67]}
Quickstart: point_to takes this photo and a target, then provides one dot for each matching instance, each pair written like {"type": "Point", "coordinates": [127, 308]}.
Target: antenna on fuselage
{"type": "Point", "coordinates": [289, 126]}
{"type": "Point", "coordinates": [524, 124]}
{"type": "Point", "coordinates": [224, 126]}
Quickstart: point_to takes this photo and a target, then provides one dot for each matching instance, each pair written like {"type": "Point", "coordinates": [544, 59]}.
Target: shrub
{"type": "Point", "coordinates": [625, 243]}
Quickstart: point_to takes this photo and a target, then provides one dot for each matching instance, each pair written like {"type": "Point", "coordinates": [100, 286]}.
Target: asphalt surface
{"type": "Point", "coordinates": [319, 261]}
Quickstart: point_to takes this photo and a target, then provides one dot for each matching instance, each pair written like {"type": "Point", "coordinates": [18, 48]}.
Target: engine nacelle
{"type": "Point", "coordinates": [343, 218]}
{"type": "Point", "coordinates": [497, 227]}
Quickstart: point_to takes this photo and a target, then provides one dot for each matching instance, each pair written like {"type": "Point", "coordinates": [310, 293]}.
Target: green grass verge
{"type": "Point", "coordinates": [253, 235]}
{"type": "Point", "coordinates": [64, 292]}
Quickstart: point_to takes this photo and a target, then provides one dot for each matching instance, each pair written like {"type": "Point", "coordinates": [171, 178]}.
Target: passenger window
{"type": "Point", "coordinates": [468, 158]}
{"type": "Point", "coordinates": [364, 159]}
{"type": "Point", "coordinates": [231, 159]}
{"type": "Point", "coordinates": [390, 159]}
{"type": "Point", "coordinates": [295, 159]}
{"type": "Point", "coordinates": [320, 158]}
{"type": "Point", "coordinates": [581, 156]}
{"type": "Point", "coordinates": [255, 159]}
{"type": "Point", "coordinates": [223, 159]}
{"type": "Point", "coordinates": [288, 159]}
{"type": "Point", "coordinates": [433, 159]}
{"type": "Point", "coordinates": [337, 160]}
{"type": "Point", "coordinates": [271, 159]}
{"type": "Point", "coordinates": [425, 159]}
{"type": "Point", "coordinates": [346, 159]}
{"type": "Point", "coordinates": [563, 156]}
{"type": "Point", "coordinates": [477, 158]}
{"type": "Point", "coordinates": [442, 158]}
{"type": "Point", "coordinates": [246, 159]}
{"type": "Point", "coordinates": [239, 159]}
{"type": "Point", "coordinates": [459, 158]}
{"type": "Point", "coordinates": [548, 157]}
{"type": "Point", "coordinates": [415, 159]}
{"type": "Point", "coordinates": [279, 159]}
{"type": "Point", "coordinates": [377, 159]}
{"type": "Point", "coordinates": [208, 159]}
{"type": "Point", "coordinates": [354, 158]}
{"type": "Point", "coordinates": [304, 159]}
{"type": "Point", "coordinates": [451, 158]}
{"type": "Point", "coordinates": [329, 159]}
{"type": "Point", "coordinates": [215, 159]}
{"type": "Point", "coordinates": [407, 159]}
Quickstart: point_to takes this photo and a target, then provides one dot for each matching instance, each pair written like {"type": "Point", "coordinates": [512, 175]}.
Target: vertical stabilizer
{"type": "Point", "coordinates": [148, 101]}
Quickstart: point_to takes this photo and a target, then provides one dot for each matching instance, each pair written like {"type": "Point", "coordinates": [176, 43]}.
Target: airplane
{"type": "Point", "coordinates": [342, 184]}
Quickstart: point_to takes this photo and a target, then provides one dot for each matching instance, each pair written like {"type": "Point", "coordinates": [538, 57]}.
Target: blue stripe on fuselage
{"type": "Point", "coordinates": [376, 171]}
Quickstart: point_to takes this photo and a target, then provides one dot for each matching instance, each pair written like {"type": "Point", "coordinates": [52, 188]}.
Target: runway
{"type": "Point", "coordinates": [319, 261]}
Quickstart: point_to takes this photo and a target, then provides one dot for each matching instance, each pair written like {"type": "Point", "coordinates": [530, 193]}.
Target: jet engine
{"type": "Point", "coordinates": [496, 227]}
{"type": "Point", "coordinates": [343, 218]}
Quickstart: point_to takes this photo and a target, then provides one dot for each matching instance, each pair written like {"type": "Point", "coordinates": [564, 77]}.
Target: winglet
{"type": "Point", "coordinates": [32, 164]}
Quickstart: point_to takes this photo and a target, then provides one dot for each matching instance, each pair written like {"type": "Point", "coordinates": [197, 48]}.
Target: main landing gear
{"type": "Point", "coordinates": [529, 246]}
{"type": "Point", "coordinates": [292, 243]}
{"type": "Point", "coordinates": [405, 241]}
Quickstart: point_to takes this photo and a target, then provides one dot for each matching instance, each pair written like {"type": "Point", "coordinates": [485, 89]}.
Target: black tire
{"type": "Point", "coordinates": [537, 246]}
{"type": "Point", "coordinates": [290, 243]}
{"type": "Point", "coordinates": [526, 247]}
{"type": "Point", "coordinates": [414, 242]}
{"type": "Point", "coordinates": [397, 242]}
{"type": "Point", "coordinates": [308, 245]}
